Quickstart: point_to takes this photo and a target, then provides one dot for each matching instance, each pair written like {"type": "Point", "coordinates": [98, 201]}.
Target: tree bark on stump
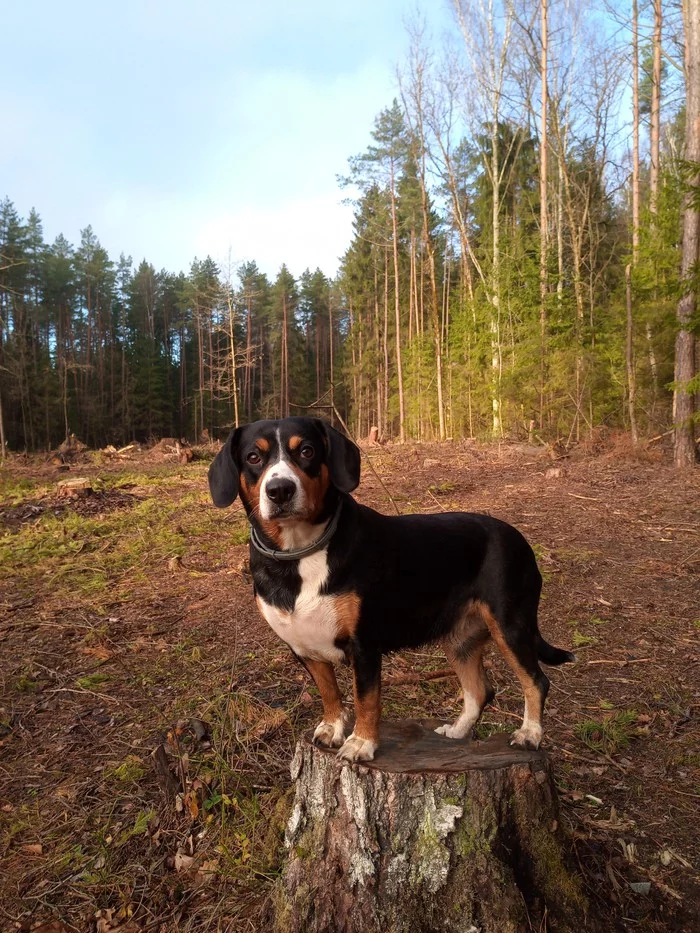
{"type": "Point", "coordinates": [435, 835]}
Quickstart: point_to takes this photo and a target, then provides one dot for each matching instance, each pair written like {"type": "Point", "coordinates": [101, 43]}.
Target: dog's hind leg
{"type": "Point", "coordinates": [516, 643]}
{"type": "Point", "coordinates": [468, 664]}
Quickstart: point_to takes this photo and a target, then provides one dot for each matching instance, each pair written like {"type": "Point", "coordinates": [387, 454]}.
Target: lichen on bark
{"type": "Point", "coordinates": [403, 851]}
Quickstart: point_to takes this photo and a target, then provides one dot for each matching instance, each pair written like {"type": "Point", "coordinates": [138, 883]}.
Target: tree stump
{"type": "Point", "coordinates": [75, 488]}
{"type": "Point", "coordinates": [434, 835]}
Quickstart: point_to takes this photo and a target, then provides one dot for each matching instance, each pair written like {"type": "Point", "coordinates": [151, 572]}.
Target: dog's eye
{"type": "Point", "coordinates": [307, 451]}
{"type": "Point", "coordinates": [253, 458]}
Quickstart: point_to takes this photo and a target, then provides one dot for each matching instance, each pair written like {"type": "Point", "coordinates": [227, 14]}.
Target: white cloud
{"type": "Point", "coordinates": [300, 232]}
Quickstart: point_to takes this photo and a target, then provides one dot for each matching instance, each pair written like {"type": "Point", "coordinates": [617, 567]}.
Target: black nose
{"type": "Point", "coordinates": [280, 490]}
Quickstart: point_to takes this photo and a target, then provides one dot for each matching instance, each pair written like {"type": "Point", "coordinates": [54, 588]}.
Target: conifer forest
{"type": "Point", "coordinates": [523, 262]}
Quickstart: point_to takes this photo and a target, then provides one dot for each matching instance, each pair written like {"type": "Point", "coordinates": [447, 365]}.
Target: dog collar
{"type": "Point", "coordinates": [297, 553]}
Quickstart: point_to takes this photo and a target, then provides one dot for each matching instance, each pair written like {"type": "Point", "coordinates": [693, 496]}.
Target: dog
{"type": "Point", "coordinates": [340, 582]}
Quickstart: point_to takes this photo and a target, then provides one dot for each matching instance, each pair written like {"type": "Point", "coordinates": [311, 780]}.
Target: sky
{"type": "Point", "coordinates": [179, 130]}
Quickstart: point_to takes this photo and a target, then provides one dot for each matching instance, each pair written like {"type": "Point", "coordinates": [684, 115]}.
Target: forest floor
{"type": "Point", "coordinates": [127, 624]}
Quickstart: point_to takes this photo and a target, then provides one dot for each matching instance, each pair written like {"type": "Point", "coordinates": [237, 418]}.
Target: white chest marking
{"type": "Point", "coordinates": [311, 627]}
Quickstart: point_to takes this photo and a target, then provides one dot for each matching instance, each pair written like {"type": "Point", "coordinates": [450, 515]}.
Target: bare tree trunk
{"type": "Point", "coordinates": [655, 130]}
{"type": "Point", "coordinates": [496, 424]}
{"type": "Point", "coordinates": [248, 384]}
{"type": "Point", "coordinates": [397, 310]}
{"type": "Point", "coordinates": [629, 357]}
{"type": "Point", "coordinates": [544, 232]}
{"type": "Point", "coordinates": [3, 451]}
{"type": "Point", "coordinates": [635, 132]}
{"type": "Point", "coordinates": [284, 367]}
{"type": "Point", "coordinates": [685, 365]}
{"type": "Point", "coordinates": [386, 339]}
{"type": "Point", "coordinates": [330, 349]}
{"type": "Point", "coordinates": [232, 349]}
{"type": "Point", "coordinates": [380, 407]}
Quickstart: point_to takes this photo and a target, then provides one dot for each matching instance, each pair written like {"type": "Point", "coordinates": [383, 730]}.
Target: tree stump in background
{"type": "Point", "coordinates": [434, 835]}
{"type": "Point", "coordinates": [74, 488]}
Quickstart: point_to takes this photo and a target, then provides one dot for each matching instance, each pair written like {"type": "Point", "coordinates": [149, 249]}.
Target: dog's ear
{"type": "Point", "coordinates": [343, 458]}
{"type": "Point", "coordinates": [223, 472]}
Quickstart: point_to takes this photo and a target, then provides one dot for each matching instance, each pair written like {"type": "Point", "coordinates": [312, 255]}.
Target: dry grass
{"type": "Point", "coordinates": [112, 650]}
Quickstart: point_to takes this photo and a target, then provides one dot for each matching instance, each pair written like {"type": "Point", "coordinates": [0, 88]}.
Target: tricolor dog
{"type": "Point", "coordinates": [339, 582]}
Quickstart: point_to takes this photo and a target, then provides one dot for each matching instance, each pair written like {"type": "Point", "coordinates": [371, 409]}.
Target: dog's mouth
{"type": "Point", "coordinates": [286, 512]}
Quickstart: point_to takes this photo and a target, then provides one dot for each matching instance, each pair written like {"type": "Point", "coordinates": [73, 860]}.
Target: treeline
{"type": "Point", "coordinates": [501, 200]}
{"type": "Point", "coordinates": [515, 266]}
{"type": "Point", "coordinates": [112, 353]}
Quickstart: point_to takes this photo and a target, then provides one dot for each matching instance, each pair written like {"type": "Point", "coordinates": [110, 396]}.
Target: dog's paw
{"type": "Point", "coordinates": [330, 734]}
{"type": "Point", "coordinates": [454, 731]}
{"type": "Point", "coordinates": [357, 749]}
{"type": "Point", "coordinates": [527, 737]}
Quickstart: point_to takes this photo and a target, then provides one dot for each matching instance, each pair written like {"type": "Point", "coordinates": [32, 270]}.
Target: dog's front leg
{"type": "Point", "coordinates": [331, 730]}
{"type": "Point", "coordinates": [367, 672]}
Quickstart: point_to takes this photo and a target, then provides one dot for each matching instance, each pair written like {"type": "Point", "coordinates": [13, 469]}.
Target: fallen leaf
{"type": "Point", "coordinates": [270, 722]}
{"type": "Point", "coordinates": [97, 651]}
{"type": "Point", "coordinates": [192, 804]}
{"type": "Point", "coordinates": [33, 848]}
{"type": "Point", "coordinates": [53, 926]}
{"type": "Point", "coordinates": [182, 862]}
{"type": "Point", "coordinates": [208, 869]}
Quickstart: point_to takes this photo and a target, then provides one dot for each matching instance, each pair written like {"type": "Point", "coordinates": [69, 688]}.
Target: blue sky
{"type": "Point", "coordinates": [180, 130]}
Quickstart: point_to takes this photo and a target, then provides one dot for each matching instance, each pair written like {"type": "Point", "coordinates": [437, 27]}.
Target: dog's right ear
{"type": "Point", "coordinates": [223, 472]}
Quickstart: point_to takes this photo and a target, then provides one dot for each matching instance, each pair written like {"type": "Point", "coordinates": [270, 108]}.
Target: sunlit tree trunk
{"type": "Point", "coordinates": [629, 357]}
{"type": "Point", "coordinates": [397, 306]}
{"type": "Point", "coordinates": [3, 451]}
{"type": "Point", "coordinates": [685, 364]}
{"type": "Point", "coordinates": [544, 231]}
{"type": "Point", "coordinates": [655, 129]}
{"type": "Point", "coordinates": [635, 132]}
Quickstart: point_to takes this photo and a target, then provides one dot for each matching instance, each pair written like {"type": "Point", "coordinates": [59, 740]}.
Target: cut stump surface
{"type": "Point", "coordinates": [435, 834]}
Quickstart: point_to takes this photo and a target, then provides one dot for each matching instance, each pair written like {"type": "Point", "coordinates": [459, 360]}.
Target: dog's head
{"type": "Point", "coordinates": [283, 470]}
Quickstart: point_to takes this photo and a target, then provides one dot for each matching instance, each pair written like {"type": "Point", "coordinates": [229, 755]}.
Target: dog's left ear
{"type": "Point", "coordinates": [343, 458]}
{"type": "Point", "coordinates": [223, 472]}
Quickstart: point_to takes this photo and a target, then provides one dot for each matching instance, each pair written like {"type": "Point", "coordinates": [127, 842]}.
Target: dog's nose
{"type": "Point", "coordinates": [280, 490]}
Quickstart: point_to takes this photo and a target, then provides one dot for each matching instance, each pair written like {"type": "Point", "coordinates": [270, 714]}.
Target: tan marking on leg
{"type": "Point", "coordinates": [531, 730]}
{"type": "Point", "coordinates": [368, 711]}
{"type": "Point", "coordinates": [472, 678]}
{"type": "Point", "coordinates": [324, 677]}
{"type": "Point", "coordinates": [347, 614]}
{"type": "Point", "coordinates": [364, 741]}
{"type": "Point", "coordinates": [470, 625]}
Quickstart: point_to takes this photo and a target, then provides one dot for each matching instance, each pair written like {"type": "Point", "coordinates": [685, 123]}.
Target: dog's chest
{"type": "Point", "coordinates": [311, 627]}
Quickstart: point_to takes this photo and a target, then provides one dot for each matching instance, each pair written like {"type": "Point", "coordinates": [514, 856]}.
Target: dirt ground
{"type": "Point", "coordinates": [127, 626]}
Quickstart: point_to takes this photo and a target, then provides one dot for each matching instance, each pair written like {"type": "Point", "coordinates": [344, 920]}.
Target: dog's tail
{"type": "Point", "coordinates": [551, 655]}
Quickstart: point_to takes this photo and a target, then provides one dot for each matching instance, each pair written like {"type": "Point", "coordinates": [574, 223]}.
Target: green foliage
{"type": "Point", "coordinates": [611, 734]}
{"type": "Point", "coordinates": [115, 353]}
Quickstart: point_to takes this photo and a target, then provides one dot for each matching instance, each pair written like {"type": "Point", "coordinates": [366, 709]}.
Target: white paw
{"type": "Point", "coordinates": [330, 734]}
{"type": "Point", "coordinates": [527, 737]}
{"type": "Point", "coordinates": [358, 749]}
{"type": "Point", "coordinates": [454, 731]}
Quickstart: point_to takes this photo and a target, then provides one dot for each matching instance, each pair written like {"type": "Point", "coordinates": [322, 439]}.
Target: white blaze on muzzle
{"type": "Point", "coordinates": [281, 469]}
